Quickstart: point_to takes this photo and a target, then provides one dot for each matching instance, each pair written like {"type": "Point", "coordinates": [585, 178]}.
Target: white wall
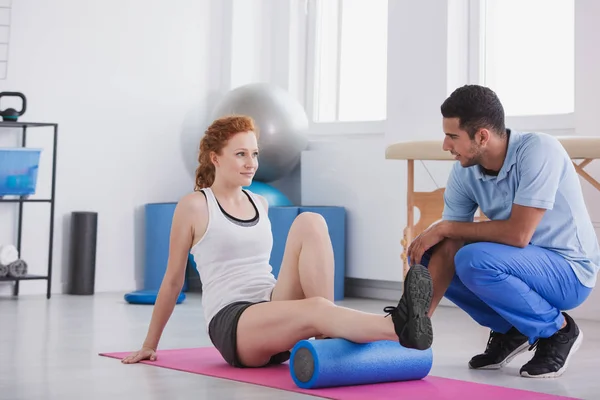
{"type": "Point", "coordinates": [130, 83]}
{"type": "Point", "coordinates": [351, 172]}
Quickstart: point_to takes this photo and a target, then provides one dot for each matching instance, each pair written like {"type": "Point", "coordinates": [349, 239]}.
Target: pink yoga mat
{"type": "Point", "coordinates": [207, 361]}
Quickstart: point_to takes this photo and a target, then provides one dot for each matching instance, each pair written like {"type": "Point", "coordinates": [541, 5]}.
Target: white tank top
{"type": "Point", "coordinates": [232, 257]}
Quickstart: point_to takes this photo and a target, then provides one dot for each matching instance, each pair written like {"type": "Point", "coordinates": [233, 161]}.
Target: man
{"type": "Point", "coordinates": [536, 256]}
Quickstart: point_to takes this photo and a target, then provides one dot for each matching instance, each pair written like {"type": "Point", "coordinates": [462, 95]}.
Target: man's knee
{"type": "Point", "coordinates": [466, 254]}
{"type": "Point", "coordinates": [471, 257]}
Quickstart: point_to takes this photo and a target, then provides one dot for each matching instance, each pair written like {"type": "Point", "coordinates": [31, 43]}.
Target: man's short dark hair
{"type": "Point", "coordinates": [476, 107]}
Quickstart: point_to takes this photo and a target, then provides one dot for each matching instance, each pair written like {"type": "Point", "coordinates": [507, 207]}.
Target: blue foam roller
{"type": "Point", "coordinates": [339, 362]}
{"type": "Point", "coordinates": [147, 297]}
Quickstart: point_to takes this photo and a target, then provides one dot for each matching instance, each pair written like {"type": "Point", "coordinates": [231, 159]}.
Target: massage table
{"type": "Point", "coordinates": [431, 204]}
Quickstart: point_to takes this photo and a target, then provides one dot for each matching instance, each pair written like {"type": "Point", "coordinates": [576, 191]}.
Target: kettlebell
{"type": "Point", "coordinates": [10, 114]}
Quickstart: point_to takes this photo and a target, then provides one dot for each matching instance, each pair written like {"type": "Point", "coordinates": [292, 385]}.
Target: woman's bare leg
{"type": "Point", "coordinates": [302, 303]}
{"type": "Point", "coordinates": [307, 268]}
{"type": "Point", "coordinates": [265, 329]}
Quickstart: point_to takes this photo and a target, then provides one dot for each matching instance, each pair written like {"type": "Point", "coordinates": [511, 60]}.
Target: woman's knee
{"type": "Point", "coordinates": [310, 222]}
{"type": "Point", "coordinates": [316, 304]}
{"type": "Point", "coordinates": [305, 311]}
{"type": "Point", "coordinates": [311, 309]}
{"type": "Point", "coordinates": [305, 315]}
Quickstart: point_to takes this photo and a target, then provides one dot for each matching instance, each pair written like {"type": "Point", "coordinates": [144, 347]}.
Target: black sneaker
{"type": "Point", "coordinates": [500, 350]}
{"type": "Point", "coordinates": [411, 321]}
{"type": "Point", "coordinates": [552, 354]}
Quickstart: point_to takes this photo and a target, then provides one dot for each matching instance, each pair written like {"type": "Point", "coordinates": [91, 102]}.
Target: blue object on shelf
{"type": "Point", "coordinates": [274, 196]}
{"type": "Point", "coordinates": [147, 297]}
{"type": "Point", "coordinates": [19, 170]}
{"type": "Point", "coordinates": [281, 221]}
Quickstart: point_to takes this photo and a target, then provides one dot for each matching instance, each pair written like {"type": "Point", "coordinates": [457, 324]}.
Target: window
{"type": "Point", "coordinates": [347, 60]}
{"type": "Point", "coordinates": [526, 54]}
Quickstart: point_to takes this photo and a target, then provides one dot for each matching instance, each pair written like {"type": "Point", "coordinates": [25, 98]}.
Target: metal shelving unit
{"type": "Point", "coordinates": [25, 199]}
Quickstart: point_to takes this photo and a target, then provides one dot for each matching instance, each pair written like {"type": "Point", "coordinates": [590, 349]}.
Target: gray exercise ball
{"type": "Point", "coordinates": [282, 123]}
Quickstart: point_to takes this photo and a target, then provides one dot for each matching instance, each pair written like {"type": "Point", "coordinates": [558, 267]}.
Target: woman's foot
{"type": "Point", "coordinates": [411, 320]}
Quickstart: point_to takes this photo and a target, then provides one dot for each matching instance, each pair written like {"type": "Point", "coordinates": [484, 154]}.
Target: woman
{"type": "Point", "coordinates": [254, 319]}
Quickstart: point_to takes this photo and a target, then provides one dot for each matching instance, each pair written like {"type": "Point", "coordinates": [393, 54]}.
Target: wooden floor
{"type": "Point", "coordinates": [48, 350]}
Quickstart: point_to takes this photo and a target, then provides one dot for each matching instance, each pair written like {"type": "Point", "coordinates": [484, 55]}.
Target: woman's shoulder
{"type": "Point", "coordinates": [193, 202]}
{"type": "Point", "coordinates": [260, 198]}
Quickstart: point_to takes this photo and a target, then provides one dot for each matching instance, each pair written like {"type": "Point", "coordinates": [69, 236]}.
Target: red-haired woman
{"type": "Point", "coordinates": [254, 319]}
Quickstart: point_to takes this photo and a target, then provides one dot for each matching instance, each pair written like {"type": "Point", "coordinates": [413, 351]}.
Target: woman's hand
{"type": "Point", "coordinates": [146, 353]}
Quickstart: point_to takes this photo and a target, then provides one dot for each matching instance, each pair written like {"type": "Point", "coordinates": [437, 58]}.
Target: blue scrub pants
{"type": "Point", "coordinates": [502, 286]}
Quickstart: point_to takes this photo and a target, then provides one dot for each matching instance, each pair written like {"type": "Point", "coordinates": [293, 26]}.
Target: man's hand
{"type": "Point", "coordinates": [426, 240]}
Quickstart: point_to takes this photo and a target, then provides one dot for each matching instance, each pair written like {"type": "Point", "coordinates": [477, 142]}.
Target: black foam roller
{"type": "Point", "coordinates": [82, 253]}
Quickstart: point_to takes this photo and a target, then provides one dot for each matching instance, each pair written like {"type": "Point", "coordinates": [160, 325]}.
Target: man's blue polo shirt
{"type": "Point", "coordinates": [537, 172]}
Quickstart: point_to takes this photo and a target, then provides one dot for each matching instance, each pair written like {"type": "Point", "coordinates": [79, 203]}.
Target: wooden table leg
{"type": "Point", "coordinates": [579, 168]}
{"type": "Point", "coordinates": [410, 206]}
{"type": "Point", "coordinates": [430, 205]}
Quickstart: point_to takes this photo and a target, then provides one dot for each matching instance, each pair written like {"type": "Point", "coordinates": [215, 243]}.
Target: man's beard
{"type": "Point", "coordinates": [475, 158]}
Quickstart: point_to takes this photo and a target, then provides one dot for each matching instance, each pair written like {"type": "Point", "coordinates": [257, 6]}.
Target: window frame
{"type": "Point", "coordinates": [310, 65]}
{"type": "Point", "coordinates": [476, 69]}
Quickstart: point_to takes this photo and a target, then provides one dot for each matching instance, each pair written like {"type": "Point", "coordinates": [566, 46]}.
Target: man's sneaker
{"type": "Point", "coordinates": [552, 354]}
{"type": "Point", "coordinates": [500, 350]}
{"type": "Point", "coordinates": [411, 320]}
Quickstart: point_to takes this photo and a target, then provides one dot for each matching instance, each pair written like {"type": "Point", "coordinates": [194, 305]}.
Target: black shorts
{"type": "Point", "coordinates": [222, 331]}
